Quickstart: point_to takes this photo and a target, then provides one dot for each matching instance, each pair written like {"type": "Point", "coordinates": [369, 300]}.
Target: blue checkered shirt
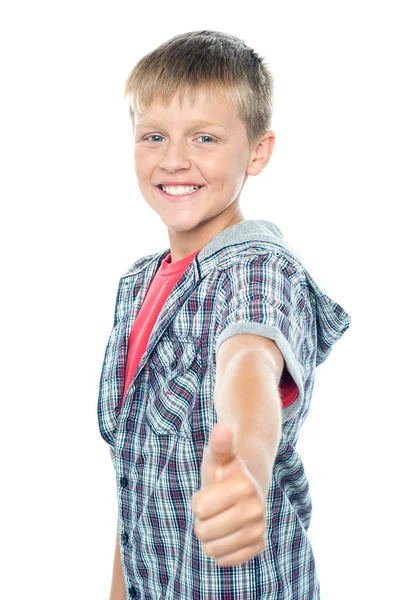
{"type": "Point", "coordinates": [245, 280]}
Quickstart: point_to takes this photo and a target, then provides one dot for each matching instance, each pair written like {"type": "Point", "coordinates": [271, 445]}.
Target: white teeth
{"type": "Point", "coordinates": [180, 190]}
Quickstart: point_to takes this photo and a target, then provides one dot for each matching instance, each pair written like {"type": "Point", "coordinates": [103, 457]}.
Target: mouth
{"type": "Point", "coordinates": [179, 198]}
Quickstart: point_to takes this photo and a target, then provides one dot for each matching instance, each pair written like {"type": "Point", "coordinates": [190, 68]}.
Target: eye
{"type": "Point", "coordinates": [152, 135]}
{"type": "Point", "coordinates": [206, 136]}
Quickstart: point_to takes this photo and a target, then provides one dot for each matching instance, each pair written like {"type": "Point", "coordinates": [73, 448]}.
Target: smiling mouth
{"type": "Point", "coordinates": [179, 197]}
{"type": "Point", "coordinates": [162, 185]}
{"type": "Point", "coordinates": [198, 188]}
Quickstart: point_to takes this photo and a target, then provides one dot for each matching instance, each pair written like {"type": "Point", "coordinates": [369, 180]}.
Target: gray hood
{"type": "Point", "coordinates": [332, 319]}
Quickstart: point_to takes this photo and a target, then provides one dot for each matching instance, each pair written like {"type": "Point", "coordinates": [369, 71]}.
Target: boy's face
{"type": "Point", "coordinates": [172, 146]}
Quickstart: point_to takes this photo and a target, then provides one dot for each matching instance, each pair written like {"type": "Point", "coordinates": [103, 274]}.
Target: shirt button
{"type": "Point", "coordinates": [123, 481]}
{"type": "Point", "coordinates": [132, 592]}
{"type": "Point", "coordinates": [173, 365]}
{"type": "Point", "coordinates": [125, 537]}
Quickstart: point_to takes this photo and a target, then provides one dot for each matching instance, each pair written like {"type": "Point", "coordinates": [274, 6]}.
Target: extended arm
{"type": "Point", "coordinates": [249, 369]}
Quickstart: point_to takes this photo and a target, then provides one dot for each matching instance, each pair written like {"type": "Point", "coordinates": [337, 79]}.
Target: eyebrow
{"type": "Point", "coordinates": [194, 124]}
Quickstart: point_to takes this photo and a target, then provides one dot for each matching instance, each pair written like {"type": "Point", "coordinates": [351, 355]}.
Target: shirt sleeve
{"type": "Point", "coordinates": [263, 295]}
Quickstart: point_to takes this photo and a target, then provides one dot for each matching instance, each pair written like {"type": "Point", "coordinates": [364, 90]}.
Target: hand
{"type": "Point", "coordinates": [229, 506]}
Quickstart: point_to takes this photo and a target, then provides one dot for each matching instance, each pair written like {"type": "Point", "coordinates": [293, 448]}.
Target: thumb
{"type": "Point", "coordinates": [221, 445]}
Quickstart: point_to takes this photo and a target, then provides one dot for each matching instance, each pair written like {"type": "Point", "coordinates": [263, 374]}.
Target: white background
{"type": "Point", "coordinates": [73, 221]}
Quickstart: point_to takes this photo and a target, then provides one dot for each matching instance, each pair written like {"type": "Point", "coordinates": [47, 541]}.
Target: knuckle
{"type": "Point", "coordinates": [261, 541]}
{"type": "Point", "coordinates": [198, 510]}
{"type": "Point", "coordinates": [255, 536]}
{"type": "Point", "coordinates": [208, 549]}
{"type": "Point", "coordinates": [247, 488]}
{"type": "Point", "coordinates": [259, 512]}
{"type": "Point", "coordinates": [262, 545]}
{"type": "Point", "coordinates": [198, 530]}
{"type": "Point", "coordinates": [260, 535]}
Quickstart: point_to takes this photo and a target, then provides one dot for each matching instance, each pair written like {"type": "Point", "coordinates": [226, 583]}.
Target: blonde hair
{"type": "Point", "coordinates": [215, 62]}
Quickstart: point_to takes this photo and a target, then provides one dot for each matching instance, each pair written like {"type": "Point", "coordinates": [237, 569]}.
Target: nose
{"type": "Point", "coordinates": [175, 155]}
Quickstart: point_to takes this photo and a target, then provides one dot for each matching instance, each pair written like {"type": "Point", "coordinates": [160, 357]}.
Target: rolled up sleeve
{"type": "Point", "coordinates": [263, 295]}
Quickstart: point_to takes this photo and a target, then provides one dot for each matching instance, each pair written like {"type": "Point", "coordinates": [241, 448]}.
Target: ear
{"type": "Point", "coordinates": [262, 152]}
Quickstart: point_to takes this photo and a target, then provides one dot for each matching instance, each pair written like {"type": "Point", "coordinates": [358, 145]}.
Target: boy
{"type": "Point", "coordinates": [209, 369]}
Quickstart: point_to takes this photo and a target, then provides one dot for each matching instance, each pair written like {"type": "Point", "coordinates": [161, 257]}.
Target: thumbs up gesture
{"type": "Point", "coordinates": [229, 507]}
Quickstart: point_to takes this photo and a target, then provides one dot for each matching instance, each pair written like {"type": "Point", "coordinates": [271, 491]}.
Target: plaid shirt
{"type": "Point", "coordinates": [245, 280]}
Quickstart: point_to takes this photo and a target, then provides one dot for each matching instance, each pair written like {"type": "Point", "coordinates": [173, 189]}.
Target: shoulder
{"type": "Point", "coordinates": [264, 264]}
{"type": "Point", "coordinates": [140, 264]}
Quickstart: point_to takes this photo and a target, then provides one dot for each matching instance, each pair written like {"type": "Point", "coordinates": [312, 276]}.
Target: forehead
{"type": "Point", "coordinates": [203, 107]}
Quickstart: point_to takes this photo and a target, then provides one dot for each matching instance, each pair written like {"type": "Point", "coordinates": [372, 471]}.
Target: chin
{"type": "Point", "coordinates": [179, 228]}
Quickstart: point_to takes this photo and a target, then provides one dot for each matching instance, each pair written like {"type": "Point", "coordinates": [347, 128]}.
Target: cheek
{"type": "Point", "coordinates": [142, 164]}
{"type": "Point", "coordinates": [222, 169]}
